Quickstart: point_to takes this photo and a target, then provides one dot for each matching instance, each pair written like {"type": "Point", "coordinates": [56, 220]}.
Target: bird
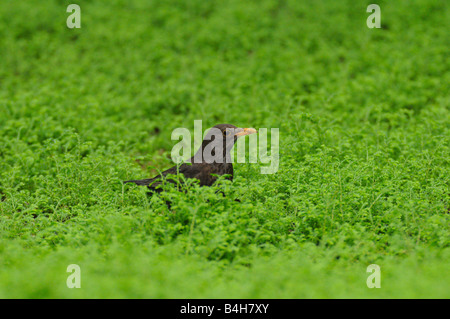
{"type": "Point", "coordinates": [212, 159]}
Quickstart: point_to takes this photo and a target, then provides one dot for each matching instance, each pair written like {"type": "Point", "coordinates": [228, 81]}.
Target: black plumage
{"type": "Point", "coordinates": [203, 168]}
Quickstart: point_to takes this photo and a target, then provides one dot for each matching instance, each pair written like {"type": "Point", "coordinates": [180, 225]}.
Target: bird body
{"type": "Point", "coordinates": [201, 171]}
{"type": "Point", "coordinates": [204, 166]}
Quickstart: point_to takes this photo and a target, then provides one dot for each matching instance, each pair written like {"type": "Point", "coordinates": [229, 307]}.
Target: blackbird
{"type": "Point", "coordinates": [212, 158]}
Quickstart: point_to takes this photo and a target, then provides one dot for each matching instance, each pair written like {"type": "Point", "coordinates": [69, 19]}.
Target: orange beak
{"type": "Point", "coordinates": [244, 131]}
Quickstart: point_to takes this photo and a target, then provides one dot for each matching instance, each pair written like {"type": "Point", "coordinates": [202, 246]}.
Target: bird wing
{"type": "Point", "coordinates": [189, 171]}
{"type": "Point", "coordinates": [201, 171]}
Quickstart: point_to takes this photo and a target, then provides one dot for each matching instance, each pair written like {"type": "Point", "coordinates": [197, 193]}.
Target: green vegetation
{"type": "Point", "coordinates": [364, 148]}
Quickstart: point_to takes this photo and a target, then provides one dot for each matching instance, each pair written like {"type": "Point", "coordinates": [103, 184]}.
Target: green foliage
{"type": "Point", "coordinates": [364, 149]}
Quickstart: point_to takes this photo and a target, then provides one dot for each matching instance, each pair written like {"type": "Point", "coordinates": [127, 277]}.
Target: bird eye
{"type": "Point", "coordinates": [227, 133]}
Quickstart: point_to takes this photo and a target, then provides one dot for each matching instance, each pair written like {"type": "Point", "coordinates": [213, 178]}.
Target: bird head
{"type": "Point", "coordinates": [219, 140]}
